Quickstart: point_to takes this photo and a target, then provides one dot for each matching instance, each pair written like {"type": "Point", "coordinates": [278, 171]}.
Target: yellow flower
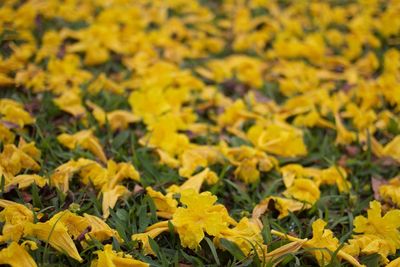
{"type": "Point", "coordinates": [98, 113]}
{"type": "Point", "coordinates": [13, 160]}
{"type": "Point", "coordinates": [32, 77]}
{"type": "Point", "coordinates": [163, 134]}
{"type": "Point", "coordinates": [56, 234]}
{"type": "Point", "coordinates": [99, 229]}
{"type": "Point", "coordinates": [394, 263]}
{"type": "Point", "coordinates": [28, 244]}
{"type": "Point", "coordinates": [96, 174]}
{"type": "Point", "coordinates": [103, 83]}
{"type": "Point", "coordinates": [167, 159]}
{"type": "Point", "coordinates": [363, 119]}
{"type": "Point", "coordinates": [391, 149]}
{"type": "Point", "coordinates": [322, 239]}
{"type": "Point", "coordinates": [5, 80]}
{"type": "Point", "coordinates": [245, 234]}
{"type": "Point", "coordinates": [107, 180]}
{"type": "Point", "coordinates": [118, 119]}
{"type": "Point", "coordinates": [6, 136]}
{"type": "Point", "coordinates": [70, 101]}
{"type": "Point", "coordinates": [335, 175]}
{"type": "Point", "coordinates": [15, 255]}
{"type": "Point", "coordinates": [14, 216]}
{"type": "Point", "coordinates": [283, 205]}
{"type": "Point", "coordinates": [119, 171]}
{"type": "Point", "coordinates": [247, 171]}
{"type": "Point", "coordinates": [30, 149]}
{"type": "Point", "coordinates": [282, 140]}
{"type": "Point", "coordinates": [367, 244]}
{"type": "Point", "coordinates": [165, 205]}
{"type": "Point", "coordinates": [109, 258]}
{"type": "Point", "coordinates": [199, 156]}
{"type": "Point", "coordinates": [277, 255]}
{"type": "Point", "coordinates": [151, 232]}
{"type": "Point", "coordinates": [199, 216]}
{"type": "Point", "coordinates": [50, 46]}
{"type": "Point", "coordinates": [291, 172]}
{"type": "Point", "coordinates": [344, 136]}
{"type": "Point", "coordinates": [332, 175]}
{"type": "Point", "coordinates": [96, 41]}
{"type": "Point", "coordinates": [312, 119]}
{"type": "Point", "coordinates": [248, 161]}
{"type": "Point", "coordinates": [382, 232]}
{"type": "Point", "coordinates": [61, 176]}
{"type": "Point", "coordinates": [233, 114]}
{"type": "Point", "coordinates": [84, 139]}
{"type": "Point", "coordinates": [66, 73]}
{"type": "Point", "coordinates": [74, 224]}
{"type": "Point", "coordinates": [13, 112]}
{"type": "Point", "coordinates": [195, 182]}
{"type": "Point", "coordinates": [25, 180]}
{"type": "Point", "coordinates": [148, 104]}
{"type": "Point", "coordinates": [246, 69]}
{"type": "Point", "coordinates": [391, 192]}
{"type": "Point", "coordinates": [110, 197]}
{"type": "Point", "coordinates": [304, 190]}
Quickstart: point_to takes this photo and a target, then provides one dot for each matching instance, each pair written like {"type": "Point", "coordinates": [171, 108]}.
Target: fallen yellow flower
{"type": "Point", "coordinates": [13, 160]}
{"type": "Point", "coordinates": [54, 233]}
{"type": "Point", "coordinates": [25, 180]}
{"type": "Point", "coordinates": [283, 205]}
{"type": "Point", "coordinates": [322, 239]}
{"type": "Point", "coordinates": [304, 190]}
{"type": "Point", "coordinates": [13, 112]}
{"type": "Point", "coordinates": [376, 233]}
{"type": "Point", "coordinates": [109, 258]}
{"type": "Point", "coordinates": [246, 235]}
{"type": "Point", "coordinates": [151, 232]}
{"type": "Point", "coordinates": [14, 216]}
{"type": "Point", "coordinates": [390, 192]}
{"type": "Point", "coordinates": [61, 176]}
{"type": "Point", "coordinates": [16, 256]}
{"type": "Point", "coordinates": [110, 198]}
{"type": "Point", "coordinates": [99, 229]}
{"type": "Point", "coordinates": [84, 139]}
{"type": "Point", "coordinates": [280, 139]}
{"type": "Point", "coordinates": [199, 216]}
{"type": "Point", "coordinates": [70, 101]}
{"type": "Point", "coordinates": [391, 149]}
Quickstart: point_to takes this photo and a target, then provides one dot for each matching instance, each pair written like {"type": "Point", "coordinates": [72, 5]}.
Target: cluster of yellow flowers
{"type": "Point", "coordinates": [235, 83]}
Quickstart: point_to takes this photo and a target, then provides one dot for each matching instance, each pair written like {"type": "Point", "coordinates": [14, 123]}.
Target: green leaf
{"type": "Point", "coordinates": [213, 250]}
{"type": "Point", "coordinates": [120, 139]}
{"type": "Point", "coordinates": [232, 248]}
{"type": "Point", "coordinates": [35, 196]}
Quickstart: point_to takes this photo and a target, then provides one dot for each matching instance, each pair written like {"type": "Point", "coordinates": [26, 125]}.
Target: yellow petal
{"type": "Point", "coordinates": [120, 119]}
{"type": "Point", "coordinates": [110, 258]}
{"type": "Point", "coordinates": [16, 255]}
{"type": "Point", "coordinates": [70, 101]}
{"type": "Point", "coordinates": [100, 230]}
{"type": "Point", "coordinates": [56, 235]}
{"type": "Point", "coordinates": [25, 180]}
{"type": "Point", "coordinates": [144, 238]}
{"type": "Point", "coordinates": [84, 139]}
{"type": "Point", "coordinates": [110, 198]}
{"type": "Point", "coordinates": [277, 255]}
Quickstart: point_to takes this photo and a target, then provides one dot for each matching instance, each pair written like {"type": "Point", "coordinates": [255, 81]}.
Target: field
{"type": "Point", "coordinates": [199, 133]}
